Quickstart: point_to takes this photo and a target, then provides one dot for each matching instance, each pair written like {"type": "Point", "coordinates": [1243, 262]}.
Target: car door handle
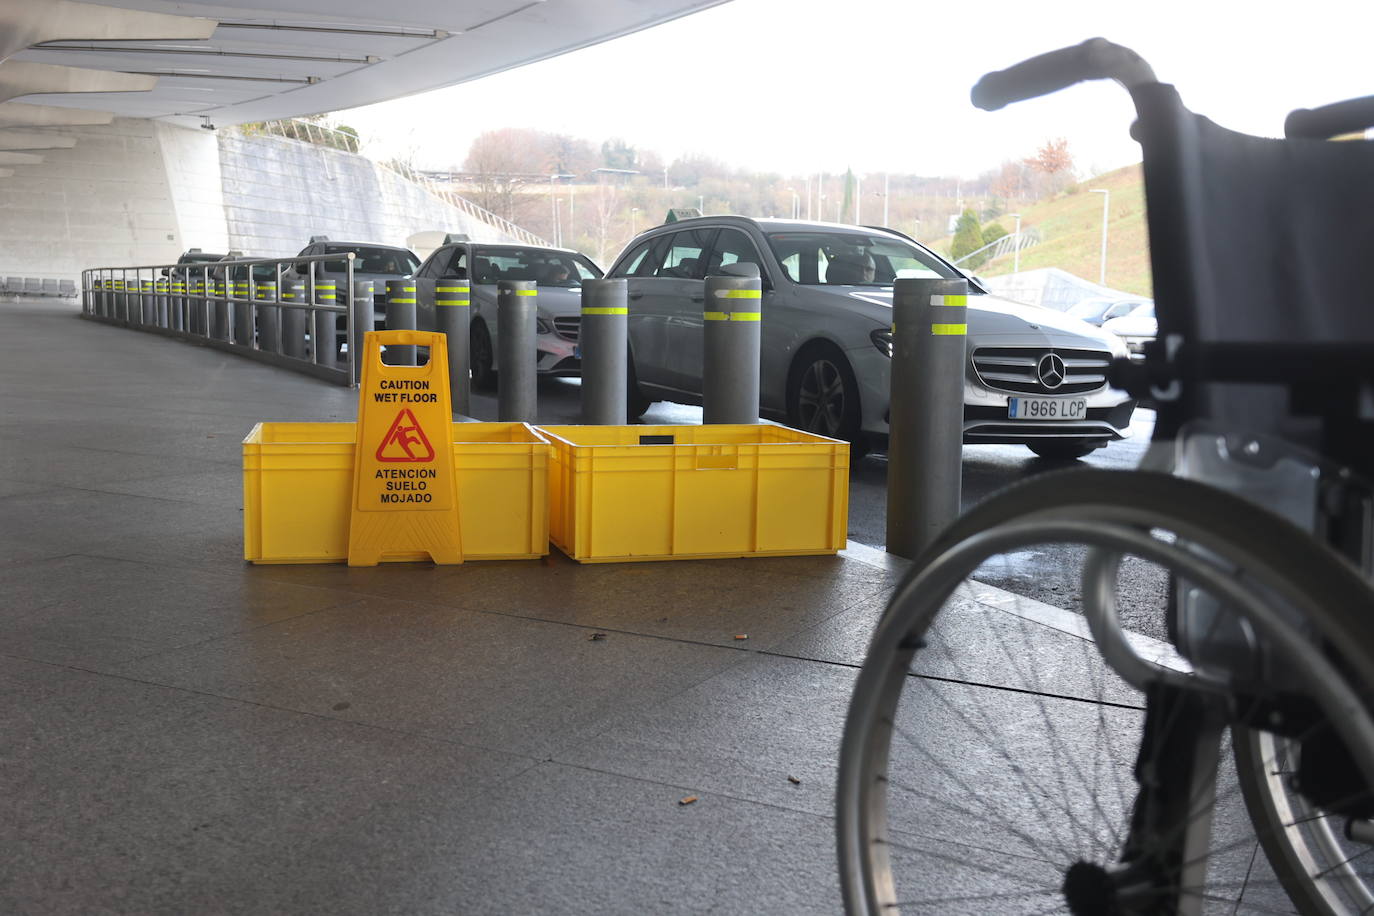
{"type": "Point", "coordinates": [636, 295]}
{"type": "Point", "coordinates": [698, 298]}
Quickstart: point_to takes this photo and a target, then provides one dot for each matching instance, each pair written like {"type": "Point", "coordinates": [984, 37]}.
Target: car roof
{"type": "Point", "coordinates": [333, 244]}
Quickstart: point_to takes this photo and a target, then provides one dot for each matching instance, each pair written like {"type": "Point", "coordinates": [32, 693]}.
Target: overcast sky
{"type": "Point", "coordinates": [882, 85]}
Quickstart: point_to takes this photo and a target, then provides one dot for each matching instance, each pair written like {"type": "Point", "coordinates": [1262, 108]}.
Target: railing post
{"type": "Point", "coordinates": [731, 339]}
{"type": "Point", "coordinates": [517, 352]}
{"type": "Point", "coordinates": [400, 316]}
{"type": "Point", "coordinates": [603, 339]}
{"type": "Point", "coordinates": [452, 308]}
{"type": "Point", "coordinates": [926, 411]}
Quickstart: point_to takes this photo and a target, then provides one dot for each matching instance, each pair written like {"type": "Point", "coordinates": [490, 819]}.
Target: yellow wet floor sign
{"type": "Point", "coordinates": [405, 502]}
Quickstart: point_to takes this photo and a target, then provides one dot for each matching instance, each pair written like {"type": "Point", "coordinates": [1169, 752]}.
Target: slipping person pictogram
{"type": "Point", "coordinates": [405, 440]}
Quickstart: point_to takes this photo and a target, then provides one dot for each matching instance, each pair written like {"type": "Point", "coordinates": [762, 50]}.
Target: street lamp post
{"type": "Point", "coordinates": [858, 199]}
{"type": "Point", "coordinates": [1106, 196]}
{"type": "Point", "coordinates": [796, 202]}
{"type": "Point", "coordinates": [887, 195]}
{"type": "Point", "coordinates": [634, 211]}
{"type": "Point", "coordinates": [1016, 245]}
{"type": "Point", "coordinates": [701, 204]}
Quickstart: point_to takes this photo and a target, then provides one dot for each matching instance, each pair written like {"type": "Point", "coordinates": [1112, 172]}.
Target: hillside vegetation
{"type": "Point", "coordinates": [1070, 226]}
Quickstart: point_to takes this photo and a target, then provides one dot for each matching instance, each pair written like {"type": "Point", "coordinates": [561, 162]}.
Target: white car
{"type": "Point", "coordinates": [1135, 329]}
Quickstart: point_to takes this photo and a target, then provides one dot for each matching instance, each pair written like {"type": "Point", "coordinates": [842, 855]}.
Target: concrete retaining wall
{"type": "Point", "coordinates": [139, 192]}
{"type": "Point", "coordinates": [278, 193]}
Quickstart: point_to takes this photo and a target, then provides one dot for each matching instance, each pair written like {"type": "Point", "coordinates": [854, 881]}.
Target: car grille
{"type": "Point", "coordinates": [1014, 369]}
{"type": "Point", "coordinates": [567, 326]}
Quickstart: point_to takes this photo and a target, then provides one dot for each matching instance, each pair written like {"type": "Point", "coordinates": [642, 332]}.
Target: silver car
{"type": "Point", "coordinates": [557, 271]}
{"type": "Point", "coordinates": [1035, 376]}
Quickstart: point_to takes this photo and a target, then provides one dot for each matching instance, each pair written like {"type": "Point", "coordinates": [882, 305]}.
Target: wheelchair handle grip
{"type": "Point", "coordinates": [1094, 59]}
{"type": "Point", "coordinates": [1331, 120]}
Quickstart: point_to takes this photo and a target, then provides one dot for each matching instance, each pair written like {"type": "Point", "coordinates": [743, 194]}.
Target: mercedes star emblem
{"type": "Point", "coordinates": [1051, 370]}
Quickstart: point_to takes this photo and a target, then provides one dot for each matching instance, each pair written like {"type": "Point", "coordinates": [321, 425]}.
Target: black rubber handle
{"type": "Point", "coordinates": [1096, 58]}
{"type": "Point", "coordinates": [1330, 120]}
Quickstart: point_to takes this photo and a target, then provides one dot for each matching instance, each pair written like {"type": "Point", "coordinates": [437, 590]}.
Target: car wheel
{"type": "Point", "coordinates": [1064, 449]}
{"type": "Point", "coordinates": [823, 396]}
{"type": "Point", "coordinates": [481, 356]}
{"type": "Point", "coordinates": [636, 402]}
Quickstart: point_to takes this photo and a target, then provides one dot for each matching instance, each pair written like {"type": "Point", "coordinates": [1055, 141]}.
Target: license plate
{"type": "Point", "coordinates": [1047, 408]}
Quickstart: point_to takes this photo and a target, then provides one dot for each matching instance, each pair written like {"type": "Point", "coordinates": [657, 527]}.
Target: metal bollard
{"type": "Point", "coordinates": [452, 306]}
{"type": "Point", "coordinates": [179, 304]}
{"type": "Point", "coordinates": [400, 316]}
{"type": "Point", "coordinates": [603, 340]}
{"type": "Point", "coordinates": [145, 301]}
{"type": "Point", "coordinates": [926, 411]}
{"type": "Point", "coordinates": [219, 312]}
{"type": "Point", "coordinates": [160, 317]}
{"type": "Point", "coordinates": [324, 329]}
{"type": "Point", "coordinates": [517, 353]}
{"type": "Point", "coordinates": [731, 341]}
{"type": "Point", "coordinates": [195, 305]}
{"type": "Point", "coordinates": [293, 319]}
{"type": "Point", "coordinates": [268, 317]}
{"type": "Point", "coordinates": [243, 309]}
{"type": "Point", "coordinates": [362, 320]}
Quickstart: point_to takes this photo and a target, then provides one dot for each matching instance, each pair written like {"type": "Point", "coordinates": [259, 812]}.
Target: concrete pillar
{"type": "Point", "coordinates": [400, 316]}
{"type": "Point", "coordinates": [452, 310]}
{"type": "Point", "coordinates": [603, 339]}
{"type": "Point", "coordinates": [731, 341]}
{"type": "Point", "coordinates": [517, 356]}
{"type": "Point", "coordinates": [926, 411]}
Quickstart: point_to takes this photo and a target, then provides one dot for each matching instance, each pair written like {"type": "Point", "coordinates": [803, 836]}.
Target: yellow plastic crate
{"type": "Point", "coordinates": [620, 493]}
{"type": "Point", "coordinates": [298, 491]}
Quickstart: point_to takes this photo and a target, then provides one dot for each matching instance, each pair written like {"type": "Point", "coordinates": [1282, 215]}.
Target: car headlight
{"type": "Point", "coordinates": [882, 339]}
{"type": "Point", "coordinates": [544, 325]}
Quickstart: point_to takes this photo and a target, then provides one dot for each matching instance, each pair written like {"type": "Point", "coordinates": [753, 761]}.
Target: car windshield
{"type": "Point", "coordinates": [389, 261]}
{"type": "Point", "coordinates": [1144, 311]}
{"type": "Point", "coordinates": [547, 268]}
{"type": "Point", "coordinates": [1090, 308]}
{"type": "Point", "coordinates": [853, 259]}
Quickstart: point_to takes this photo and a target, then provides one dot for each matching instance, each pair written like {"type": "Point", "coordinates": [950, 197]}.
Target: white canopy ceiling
{"type": "Point", "coordinates": [230, 62]}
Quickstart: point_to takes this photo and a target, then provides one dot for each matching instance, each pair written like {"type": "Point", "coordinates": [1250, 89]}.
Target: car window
{"type": "Point", "coordinates": [389, 261]}
{"type": "Point", "coordinates": [454, 264]}
{"type": "Point", "coordinates": [813, 258]}
{"type": "Point", "coordinates": [542, 265]}
{"type": "Point", "coordinates": [1121, 308]}
{"type": "Point", "coordinates": [639, 263]}
{"type": "Point", "coordinates": [733, 247]}
{"type": "Point", "coordinates": [684, 258]}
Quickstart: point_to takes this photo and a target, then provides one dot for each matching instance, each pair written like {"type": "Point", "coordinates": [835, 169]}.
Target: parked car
{"type": "Point", "coordinates": [1034, 376]}
{"type": "Point", "coordinates": [187, 262]}
{"type": "Point", "coordinates": [372, 261]}
{"type": "Point", "coordinates": [1104, 308]}
{"type": "Point", "coordinates": [1136, 329]}
{"type": "Point", "coordinates": [559, 273]}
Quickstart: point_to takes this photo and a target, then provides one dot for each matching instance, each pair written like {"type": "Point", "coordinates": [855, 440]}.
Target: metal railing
{"type": "Point", "coordinates": [1005, 245]}
{"type": "Point", "coordinates": [290, 320]}
{"type": "Point", "coordinates": [345, 141]}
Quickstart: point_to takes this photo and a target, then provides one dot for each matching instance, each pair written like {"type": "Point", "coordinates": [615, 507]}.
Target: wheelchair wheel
{"type": "Point", "coordinates": [1004, 756]}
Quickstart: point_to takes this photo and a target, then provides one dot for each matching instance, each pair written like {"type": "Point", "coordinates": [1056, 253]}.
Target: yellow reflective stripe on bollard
{"type": "Point", "coordinates": [950, 301]}
{"type": "Point", "coordinates": [739, 294]}
{"type": "Point", "coordinates": [462, 303]}
{"type": "Point", "coordinates": [732, 316]}
{"type": "Point", "coordinates": [410, 301]}
{"type": "Point", "coordinates": [952, 330]}
{"type": "Point", "coordinates": [610, 310]}
{"type": "Point", "coordinates": [452, 289]}
{"type": "Point", "coordinates": [525, 292]}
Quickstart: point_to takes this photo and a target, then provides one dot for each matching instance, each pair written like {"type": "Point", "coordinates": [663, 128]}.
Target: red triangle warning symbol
{"type": "Point", "coordinates": [405, 440]}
